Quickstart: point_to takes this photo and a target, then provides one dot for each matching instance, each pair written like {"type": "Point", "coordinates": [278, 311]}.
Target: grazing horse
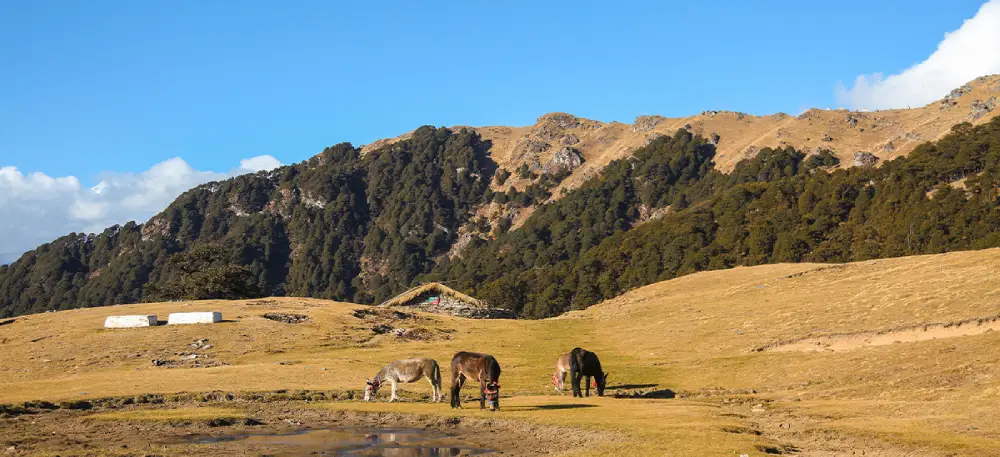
{"type": "Point", "coordinates": [585, 363]}
{"type": "Point", "coordinates": [478, 367]}
{"type": "Point", "coordinates": [559, 376]}
{"type": "Point", "coordinates": [408, 370]}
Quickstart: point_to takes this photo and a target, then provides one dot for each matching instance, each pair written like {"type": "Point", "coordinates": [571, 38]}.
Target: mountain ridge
{"type": "Point", "coordinates": [886, 134]}
{"type": "Point", "coordinates": [533, 217]}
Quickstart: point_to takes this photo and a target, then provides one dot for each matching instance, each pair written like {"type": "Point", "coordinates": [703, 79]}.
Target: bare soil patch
{"type": "Point", "coordinates": [181, 429]}
{"type": "Point", "coordinates": [850, 341]}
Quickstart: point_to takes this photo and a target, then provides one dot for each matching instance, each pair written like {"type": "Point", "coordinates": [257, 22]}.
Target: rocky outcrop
{"type": "Point", "coordinates": [529, 148]}
{"type": "Point", "coordinates": [286, 318]}
{"type": "Point", "coordinates": [865, 159]}
{"type": "Point", "coordinates": [979, 108]}
{"type": "Point", "coordinates": [566, 159]}
{"type": "Point", "coordinates": [156, 226]}
{"type": "Point", "coordinates": [951, 100]}
{"type": "Point", "coordinates": [958, 93]}
{"type": "Point", "coordinates": [453, 306]}
{"type": "Point", "coordinates": [714, 139]}
{"type": "Point", "coordinates": [851, 120]}
{"type": "Point", "coordinates": [647, 214]}
{"type": "Point", "coordinates": [646, 123]}
{"type": "Point", "coordinates": [810, 113]}
{"type": "Point", "coordinates": [564, 121]}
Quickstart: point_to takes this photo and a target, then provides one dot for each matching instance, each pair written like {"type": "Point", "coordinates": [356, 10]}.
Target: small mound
{"type": "Point", "coordinates": [287, 318]}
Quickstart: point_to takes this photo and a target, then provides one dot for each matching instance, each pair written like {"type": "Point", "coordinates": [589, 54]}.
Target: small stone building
{"type": "Point", "coordinates": [437, 298]}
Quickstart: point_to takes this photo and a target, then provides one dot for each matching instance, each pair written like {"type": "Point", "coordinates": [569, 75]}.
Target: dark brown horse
{"type": "Point", "coordinates": [478, 367]}
{"type": "Point", "coordinates": [585, 363]}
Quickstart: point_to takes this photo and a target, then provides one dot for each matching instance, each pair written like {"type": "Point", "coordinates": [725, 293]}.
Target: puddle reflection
{"type": "Point", "coordinates": [358, 442]}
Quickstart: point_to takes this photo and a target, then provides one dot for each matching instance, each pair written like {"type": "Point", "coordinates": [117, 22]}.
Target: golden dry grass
{"type": "Point", "coordinates": [697, 335]}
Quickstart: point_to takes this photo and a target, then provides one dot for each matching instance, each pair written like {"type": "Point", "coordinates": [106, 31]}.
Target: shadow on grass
{"type": "Point", "coordinates": [224, 321]}
{"type": "Point", "coordinates": [633, 386]}
{"type": "Point", "coordinates": [545, 407]}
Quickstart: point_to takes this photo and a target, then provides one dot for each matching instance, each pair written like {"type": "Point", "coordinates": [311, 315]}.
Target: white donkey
{"type": "Point", "coordinates": [406, 371]}
{"type": "Point", "coordinates": [562, 369]}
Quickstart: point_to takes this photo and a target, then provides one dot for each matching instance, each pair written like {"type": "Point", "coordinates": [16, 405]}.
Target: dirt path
{"type": "Point", "coordinates": [850, 341]}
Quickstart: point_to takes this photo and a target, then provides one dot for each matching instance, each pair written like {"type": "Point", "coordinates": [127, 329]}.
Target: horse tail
{"type": "Point", "coordinates": [436, 374]}
{"type": "Point", "coordinates": [494, 370]}
{"type": "Point", "coordinates": [574, 369]}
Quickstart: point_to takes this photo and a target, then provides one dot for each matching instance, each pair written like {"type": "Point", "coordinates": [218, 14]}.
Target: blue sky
{"type": "Point", "coordinates": [110, 109]}
{"type": "Point", "coordinates": [120, 85]}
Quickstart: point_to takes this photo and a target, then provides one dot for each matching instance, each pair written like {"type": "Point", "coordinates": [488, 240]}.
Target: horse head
{"type": "Point", "coordinates": [601, 384]}
{"type": "Point", "coordinates": [371, 387]}
{"type": "Point", "coordinates": [492, 392]}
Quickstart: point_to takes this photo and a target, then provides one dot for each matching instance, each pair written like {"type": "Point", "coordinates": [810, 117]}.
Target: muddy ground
{"type": "Point", "coordinates": [89, 432]}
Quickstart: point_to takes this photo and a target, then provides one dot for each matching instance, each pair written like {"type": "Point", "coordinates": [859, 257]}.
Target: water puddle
{"type": "Point", "coordinates": [350, 441]}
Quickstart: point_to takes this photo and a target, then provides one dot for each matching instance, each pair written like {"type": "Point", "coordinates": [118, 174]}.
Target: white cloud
{"type": "Point", "coordinates": [259, 163]}
{"type": "Point", "coordinates": [965, 54]}
{"type": "Point", "coordinates": [36, 208]}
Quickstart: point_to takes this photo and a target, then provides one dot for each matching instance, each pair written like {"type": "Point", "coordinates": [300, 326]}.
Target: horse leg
{"type": "Point", "coordinates": [456, 387]}
{"type": "Point", "coordinates": [393, 398]}
{"type": "Point", "coordinates": [588, 386]}
{"type": "Point", "coordinates": [482, 394]}
{"type": "Point", "coordinates": [576, 384]}
{"type": "Point", "coordinates": [433, 390]}
{"type": "Point", "coordinates": [562, 381]}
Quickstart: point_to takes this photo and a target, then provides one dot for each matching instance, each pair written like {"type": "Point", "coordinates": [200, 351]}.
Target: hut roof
{"type": "Point", "coordinates": [439, 288]}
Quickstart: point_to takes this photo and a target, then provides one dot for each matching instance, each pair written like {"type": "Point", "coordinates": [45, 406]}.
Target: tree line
{"type": "Point", "coordinates": [363, 228]}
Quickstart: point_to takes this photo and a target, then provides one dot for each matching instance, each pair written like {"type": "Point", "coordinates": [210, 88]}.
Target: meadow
{"type": "Point", "coordinates": [742, 361]}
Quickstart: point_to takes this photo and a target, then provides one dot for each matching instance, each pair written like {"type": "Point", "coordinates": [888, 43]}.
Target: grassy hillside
{"type": "Point", "coordinates": [666, 212]}
{"type": "Point", "coordinates": [710, 338]}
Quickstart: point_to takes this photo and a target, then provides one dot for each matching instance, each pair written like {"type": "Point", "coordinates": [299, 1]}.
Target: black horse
{"type": "Point", "coordinates": [478, 367]}
{"type": "Point", "coordinates": [585, 363]}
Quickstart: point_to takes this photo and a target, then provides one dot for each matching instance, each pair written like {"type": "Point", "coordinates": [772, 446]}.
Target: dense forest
{"type": "Point", "coordinates": [337, 226]}
{"type": "Point", "coordinates": [361, 229]}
